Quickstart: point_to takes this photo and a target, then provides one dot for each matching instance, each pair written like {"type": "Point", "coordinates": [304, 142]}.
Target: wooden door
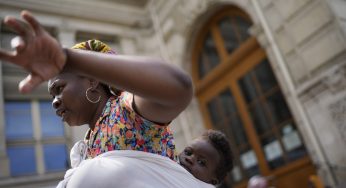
{"type": "Point", "coordinates": [239, 95]}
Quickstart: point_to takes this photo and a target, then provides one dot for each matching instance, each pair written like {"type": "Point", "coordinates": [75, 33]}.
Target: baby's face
{"type": "Point", "coordinates": [201, 159]}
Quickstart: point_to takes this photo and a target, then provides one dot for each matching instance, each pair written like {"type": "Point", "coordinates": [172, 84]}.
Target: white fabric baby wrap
{"type": "Point", "coordinates": [130, 169]}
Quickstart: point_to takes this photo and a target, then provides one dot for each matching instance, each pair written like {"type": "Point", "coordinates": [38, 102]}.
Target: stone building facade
{"type": "Point", "coordinates": [303, 40]}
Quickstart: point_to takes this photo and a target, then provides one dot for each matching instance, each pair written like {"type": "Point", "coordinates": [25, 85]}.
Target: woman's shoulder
{"type": "Point", "coordinates": [124, 105]}
{"type": "Point", "coordinates": [122, 100]}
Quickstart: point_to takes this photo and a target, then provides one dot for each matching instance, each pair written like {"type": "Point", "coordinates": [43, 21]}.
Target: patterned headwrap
{"type": "Point", "coordinates": [98, 46]}
{"type": "Point", "coordinates": [94, 45]}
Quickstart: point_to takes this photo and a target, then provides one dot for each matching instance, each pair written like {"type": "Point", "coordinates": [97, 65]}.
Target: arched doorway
{"type": "Point", "coordinates": [239, 95]}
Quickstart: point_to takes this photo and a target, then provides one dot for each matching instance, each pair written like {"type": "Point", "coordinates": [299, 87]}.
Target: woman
{"type": "Point", "coordinates": [79, 81]}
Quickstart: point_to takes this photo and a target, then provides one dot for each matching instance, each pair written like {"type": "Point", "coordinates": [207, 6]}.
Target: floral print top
{"type": "Point", "coordinates": [121, 128]}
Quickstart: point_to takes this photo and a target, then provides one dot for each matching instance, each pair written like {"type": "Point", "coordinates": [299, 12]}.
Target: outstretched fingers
{"type": "Point", "coordinates": [5, 55]}
{"type": "Point", "coordinates": [26, 15]}
{"type": "Point", "coordinates": [10, 56]}
{"type": "Point", "coordinates": [17, 26]}
{"type": "Point", "coordinates": [29, 83]}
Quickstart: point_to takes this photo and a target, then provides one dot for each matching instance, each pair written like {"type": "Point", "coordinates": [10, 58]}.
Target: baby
{"type": "Point", "coordinates": [208, 157]}
{"type": "Point", "coordinates": [206, 160]}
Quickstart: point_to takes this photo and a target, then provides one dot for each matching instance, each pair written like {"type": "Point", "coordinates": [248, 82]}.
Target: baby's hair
{"type": "Point", "coordinates": [221, 144]}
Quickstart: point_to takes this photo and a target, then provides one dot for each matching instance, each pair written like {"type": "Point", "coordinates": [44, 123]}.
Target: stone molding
{"type": "Point", "coordinates": [336, 80]}
{"type": "Point", "coordinates": [101, 11]}
{"type": "Point", "coordinates": [332, 80]}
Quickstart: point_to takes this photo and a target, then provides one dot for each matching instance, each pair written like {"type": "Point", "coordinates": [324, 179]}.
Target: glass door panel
{"type": "Point", "coordinates": [259, 119]}
{"type": "Point", "coordinates": [270, 116]}
{"type": "Point", "coordinates": [229, 35]}
{"type": "Point", "coordinates": [243, 26]}
{"type": "Point", "coordinates": [209, 58]}
{"type": "Point", "coordinates": [264, 76]}
{"type": "Point", "coordinates": [250, 163]}
{"type": "Point", "coordinates": [225, 117]}
{"type": "Point", "coordinates": [234, 31]}
{"type": "Point", "coordinates": [273, 151]}
{"type": "Point", "coordinates": [292, 143]}
{"type": "Point", "coordinates": [277, 107]}
{"type": "Point", "coordinates": [249, 92]}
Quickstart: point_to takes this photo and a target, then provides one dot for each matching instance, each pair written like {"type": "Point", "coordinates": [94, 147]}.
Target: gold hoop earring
{"type": "Point", "coordinates": [86, 95]}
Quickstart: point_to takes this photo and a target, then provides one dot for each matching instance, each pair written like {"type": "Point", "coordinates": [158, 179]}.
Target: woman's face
{"type": "Point", "coordinates": [69, 101]}
{"type": "Point", "coordinates": [201, 159]}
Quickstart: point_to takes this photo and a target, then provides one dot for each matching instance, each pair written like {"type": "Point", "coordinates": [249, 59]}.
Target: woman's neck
{"type": "Point", "coordinates": [98, 111]}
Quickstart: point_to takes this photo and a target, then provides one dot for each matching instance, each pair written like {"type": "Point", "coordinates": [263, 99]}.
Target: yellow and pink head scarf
{"type": "Point", "coordinates": [98, 46]}
{"type": "Point", "coordinates": [94, 45]}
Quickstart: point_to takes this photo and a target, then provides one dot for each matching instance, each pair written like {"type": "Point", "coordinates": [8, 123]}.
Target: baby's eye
{"type": "Point", "coordinates": [201, 162]}
{"type": "Point", "coordinates": [187, 152]}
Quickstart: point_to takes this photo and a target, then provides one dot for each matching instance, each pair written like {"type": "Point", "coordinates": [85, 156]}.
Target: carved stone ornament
{"type": "Point", "coordinates": [338, 114]}
{"type": "Point", "coordinates": [336, 80]}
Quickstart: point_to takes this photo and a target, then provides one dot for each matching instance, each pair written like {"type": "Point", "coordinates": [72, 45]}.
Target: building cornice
{"type": "Point", "coordinates": [91, 10]}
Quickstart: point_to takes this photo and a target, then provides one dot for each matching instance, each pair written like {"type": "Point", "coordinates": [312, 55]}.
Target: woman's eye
{"type": "Point", "coordinates": [59, 89]}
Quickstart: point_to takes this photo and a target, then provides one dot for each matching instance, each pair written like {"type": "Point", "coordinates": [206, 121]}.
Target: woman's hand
{"type": "Point", "coordinates": [35, 50]}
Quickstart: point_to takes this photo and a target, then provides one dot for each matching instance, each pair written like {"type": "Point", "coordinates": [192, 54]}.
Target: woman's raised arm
{"type": "Point", "coordinates": [161, 91]}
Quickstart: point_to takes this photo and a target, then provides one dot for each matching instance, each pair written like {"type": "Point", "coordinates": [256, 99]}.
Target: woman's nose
{"type": "Point", "coordinates": [56, 102]}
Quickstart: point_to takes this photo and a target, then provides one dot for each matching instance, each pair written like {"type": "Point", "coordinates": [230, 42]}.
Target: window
{"type": "Point", "coordinates": [34, 132]}
{"type": "Point", "coordinates": [209, 58]}
{"type": "Point", "coordinates": [18, 121]}
{"type": "Point", "coordinates": [35, 136]}
{"type": "Point", "coordinates": [19, 166]}
{"type": "Point", "coordinates": [226, 33]}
